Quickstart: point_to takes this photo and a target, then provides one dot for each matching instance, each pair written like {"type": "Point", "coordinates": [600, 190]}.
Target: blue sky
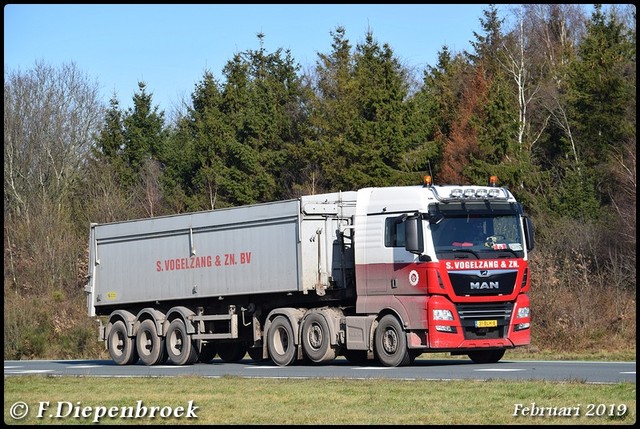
{"type": "Point", "coordinates": [170, 46]}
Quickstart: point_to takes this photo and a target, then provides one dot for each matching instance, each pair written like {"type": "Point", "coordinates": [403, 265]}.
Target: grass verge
{"type": "Point", "coordinates": [235, 400]}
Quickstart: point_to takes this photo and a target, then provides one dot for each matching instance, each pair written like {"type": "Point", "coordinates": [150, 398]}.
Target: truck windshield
{"type": "Point", "coordinates": [478, 233]}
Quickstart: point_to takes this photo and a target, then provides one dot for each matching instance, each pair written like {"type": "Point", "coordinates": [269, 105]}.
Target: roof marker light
{"type": "Point", "coordinates": [481, 193]}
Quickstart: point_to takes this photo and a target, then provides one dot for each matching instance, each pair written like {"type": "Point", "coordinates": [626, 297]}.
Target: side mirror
{"type": "Point", "coordinates": [413, 234]}
{"type": "Point", "coordinates": [528, 231]}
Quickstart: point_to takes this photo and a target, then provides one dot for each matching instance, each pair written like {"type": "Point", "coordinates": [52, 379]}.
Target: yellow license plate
{"type": "Point", "coordinates": [486, 323]}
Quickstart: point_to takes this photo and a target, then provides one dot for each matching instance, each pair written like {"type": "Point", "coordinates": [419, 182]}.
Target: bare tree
{"type": "Point", "coordinates": [553, 31]}
{"type": "Point", "coordinates": [50, 117]}
{"type": "Point", "coordinates": [518, 64]}
{"type": "Point", "coordinates": [150, 188]}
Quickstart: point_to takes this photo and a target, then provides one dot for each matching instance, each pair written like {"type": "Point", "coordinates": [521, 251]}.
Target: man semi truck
{"type": "Point", "coordinates": [382, 273]}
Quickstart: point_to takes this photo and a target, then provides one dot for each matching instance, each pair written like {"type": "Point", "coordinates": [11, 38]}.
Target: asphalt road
{"type": "Point", "coordinates": [422, 369]}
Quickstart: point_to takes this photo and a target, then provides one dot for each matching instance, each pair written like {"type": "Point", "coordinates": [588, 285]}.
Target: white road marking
{"type": "Point", "coordinates": [372, 367]}
{"type": "Point", "coordinates": [29, 371]}
{"type": "Point", "coordinates": [501, 369]}
{"type": "Point", "coordinates": [262, 367]}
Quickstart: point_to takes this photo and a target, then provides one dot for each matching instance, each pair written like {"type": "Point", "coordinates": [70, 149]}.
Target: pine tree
{"type": "Point", "coordinates": [599, 89]}
{"type": "Point", "coordinates": [333, 109]}
{"type": "Point", "coordinates": [110, 142]}
{"type": "Point", "coordinates": [144, 133]}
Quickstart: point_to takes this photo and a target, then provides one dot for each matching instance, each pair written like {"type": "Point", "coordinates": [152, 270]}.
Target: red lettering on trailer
{"type": "Point", "coordinates": [184, 263]}
{"type": "Point", "coordinates": [196, 262]}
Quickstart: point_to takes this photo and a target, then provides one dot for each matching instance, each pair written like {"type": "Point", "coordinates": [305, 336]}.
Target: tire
{"type": "Point", "coordinates": [181, 349]}
{"type": "Point", "coordinates": [232, 352]}
{"type": "Point", "coordinates": [391, 342]}
{"type": "Point", "coordinates": [208, 351]}
{"type": "Point", "coordinates": [280, 342]}
{"type": "Point", "coordinates": [355, 356]}
{"type": "Point", "coordinates": [149, 345]}
{"type": "Point", "coordinates": [316, 339]}
{"type": "Point", "coordinates": [121, 348]}
{"type": "Point", "coordinates": [255, 353]}
{"type": "Point", "coordinates": [486, 356]}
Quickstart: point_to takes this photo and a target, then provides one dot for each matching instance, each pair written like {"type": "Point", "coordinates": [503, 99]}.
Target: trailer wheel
{"type": "Point", "coordinates": [207, 352]}
{"type": "Point", "coordinates": [121, 348]}
{"type": "Point", "coordinates": [232, 352]}
{"type": "Point", "coordinates": [180, 347]}
{"type": "Point", "coordinates": [316, 339]}
{"type": "Point", "coordinates": [149, 345]}
{"type": "Point", "coordinates": [486, 356]}
{"type": "Point", "coordinates": [391, 342]}
{"type": "Point", "coordinates": [280, 344]}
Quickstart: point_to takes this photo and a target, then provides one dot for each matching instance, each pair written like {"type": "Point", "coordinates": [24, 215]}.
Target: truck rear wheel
{"type": "Point", "coordinates": [316, 339]}
{"type": "Point", "coordinates": [149, 345]}
{"type": "Point", "coordinates": [180, 347]}
{"type": "Point", "coordinates": [280, 344]}
{"type": "Point", "coordinates": [391, 342]}
{"type": "Point", "coordinates": [355, 356]}
{"type": "Point", "coordinates": [255, 353]}
{"type": "Point", "coordinates": [486, 356]}
{"type": "Point", "coordinates": [121, 348]}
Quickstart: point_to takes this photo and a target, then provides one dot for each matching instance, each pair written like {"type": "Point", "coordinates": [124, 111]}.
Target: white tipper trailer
{"type": "Point", "coordinates": [370, 274]}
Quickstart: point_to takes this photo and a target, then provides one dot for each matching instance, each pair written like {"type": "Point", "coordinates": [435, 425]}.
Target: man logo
{"type": "Point", "coordinates": [484, 285]}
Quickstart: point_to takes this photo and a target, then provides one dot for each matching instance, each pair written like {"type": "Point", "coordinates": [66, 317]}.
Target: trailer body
{"type": "Point", "coordinates": [246, 250]}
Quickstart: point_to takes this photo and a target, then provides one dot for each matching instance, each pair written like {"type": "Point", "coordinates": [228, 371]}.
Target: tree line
{"type": "Point", "coordinates": [546, 103]}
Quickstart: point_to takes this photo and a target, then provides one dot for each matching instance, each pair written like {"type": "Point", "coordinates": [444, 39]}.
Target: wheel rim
{"type": "Point", "coordinates": [281, 341]}
{"type": "Point", "coordinates": [147, 343]}
{"type": "Point", "coordinates": [315, 336]}
{"type": "Point", "coordinates": [176, 342]}
{"type": "Point", "coordinates": [390, 341]}
{"type": "Point", "coordinates": [117, 344]}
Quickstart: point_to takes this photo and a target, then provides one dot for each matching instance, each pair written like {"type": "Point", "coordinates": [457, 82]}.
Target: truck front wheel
{"type": "Point", "coordinates": [391, 342]}
{"type": "Point", "coordinates": [180, 347]}
{"type": "Point", "coordinates": [121, 348]}
{"type": "Point", "coordinates": [280, 344]}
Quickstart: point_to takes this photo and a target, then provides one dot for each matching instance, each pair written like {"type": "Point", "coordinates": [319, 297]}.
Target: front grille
{"type": "Point", "coordinates": [470, 313]}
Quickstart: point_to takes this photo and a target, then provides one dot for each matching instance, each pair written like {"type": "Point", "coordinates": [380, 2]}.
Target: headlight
{"type": "Point", "coordinates": [442, 315]}
{"type": "Point", "coordinates": [523, 312]}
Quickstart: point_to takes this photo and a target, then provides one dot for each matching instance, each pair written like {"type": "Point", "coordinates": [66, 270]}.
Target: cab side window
{"type": "Point", "coordinates": [394, 233]}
